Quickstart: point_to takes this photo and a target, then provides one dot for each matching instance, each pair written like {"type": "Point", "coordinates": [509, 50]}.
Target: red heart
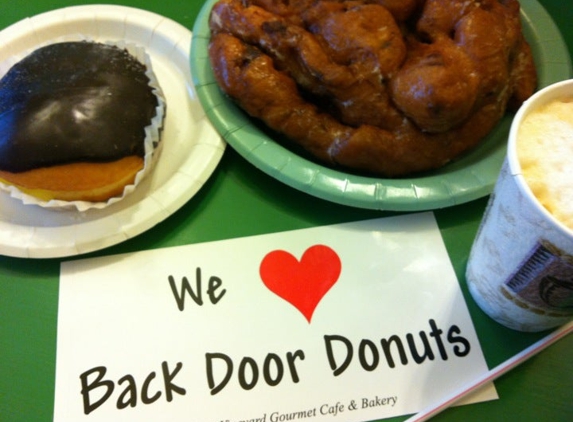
{"type": "Point", "coordinates": [303, 284]}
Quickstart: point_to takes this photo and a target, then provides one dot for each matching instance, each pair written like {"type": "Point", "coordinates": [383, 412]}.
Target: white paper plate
{"type": "Point", "coordinates": [191, 147]}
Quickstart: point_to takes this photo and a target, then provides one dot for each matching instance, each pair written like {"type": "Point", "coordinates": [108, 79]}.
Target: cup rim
{"type": "Point", "coordinates": [549, 93]}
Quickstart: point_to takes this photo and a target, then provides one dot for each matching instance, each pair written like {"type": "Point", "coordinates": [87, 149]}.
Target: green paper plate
{"type": "Point", "coordinates": [468, 178]}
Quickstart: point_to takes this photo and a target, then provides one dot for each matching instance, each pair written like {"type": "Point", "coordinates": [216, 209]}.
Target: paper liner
{"type": "Point", "coordinates": [152, 144]}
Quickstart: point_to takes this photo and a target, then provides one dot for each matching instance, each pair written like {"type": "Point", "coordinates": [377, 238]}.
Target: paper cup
{"type": "Point", "coordinates": [520, 269]}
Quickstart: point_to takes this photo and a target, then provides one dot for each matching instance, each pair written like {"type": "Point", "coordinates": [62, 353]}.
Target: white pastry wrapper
{"type": "Point", "coordinates": [152, 131]}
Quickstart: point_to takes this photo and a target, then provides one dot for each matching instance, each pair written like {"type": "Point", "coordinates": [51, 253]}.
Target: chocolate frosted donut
{"type": "Point", "coordinates": [74, 103]}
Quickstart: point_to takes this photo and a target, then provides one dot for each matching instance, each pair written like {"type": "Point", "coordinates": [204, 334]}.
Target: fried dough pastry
{"type": "Point", "coordinates": [387, 87]}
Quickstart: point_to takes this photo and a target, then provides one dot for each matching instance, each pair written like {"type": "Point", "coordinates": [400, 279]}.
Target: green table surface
{"type": "Point", "coordinates": [238, 200]}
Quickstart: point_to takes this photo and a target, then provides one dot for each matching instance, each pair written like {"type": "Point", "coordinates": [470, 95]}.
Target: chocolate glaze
{"type": "Point", "coordinates": [71, 102]}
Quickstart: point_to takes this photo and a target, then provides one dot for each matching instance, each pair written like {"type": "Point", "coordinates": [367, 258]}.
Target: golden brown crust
{"type": "Point", "coordinates": [92, 182]}
{"type": "Point", "coordinates": [395, 90]}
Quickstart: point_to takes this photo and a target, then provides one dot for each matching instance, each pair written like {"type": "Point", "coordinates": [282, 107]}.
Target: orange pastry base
{"type": "Point", "coordinates": [95, 182]}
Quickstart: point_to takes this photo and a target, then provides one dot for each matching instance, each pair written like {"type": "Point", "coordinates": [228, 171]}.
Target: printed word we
{"type": "Point", "coordinates": [213, 286]}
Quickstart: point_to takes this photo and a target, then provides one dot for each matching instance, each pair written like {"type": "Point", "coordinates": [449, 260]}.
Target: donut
{"type": "Point", "coordinates": [73, 121]}
{"type": "Point", "coordinates": [384, 88]}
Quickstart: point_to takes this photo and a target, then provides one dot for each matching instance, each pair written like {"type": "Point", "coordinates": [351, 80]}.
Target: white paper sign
{"type": "Point", "coordinates": [349, 322]}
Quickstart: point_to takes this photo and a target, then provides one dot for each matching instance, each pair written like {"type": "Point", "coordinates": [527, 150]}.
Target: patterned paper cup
{"type": "Point", "coordinates": [520, 269]}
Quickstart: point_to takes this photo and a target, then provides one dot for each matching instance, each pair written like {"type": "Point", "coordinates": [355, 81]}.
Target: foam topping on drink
{"type": "Point", "coordinates": [545, 152]}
